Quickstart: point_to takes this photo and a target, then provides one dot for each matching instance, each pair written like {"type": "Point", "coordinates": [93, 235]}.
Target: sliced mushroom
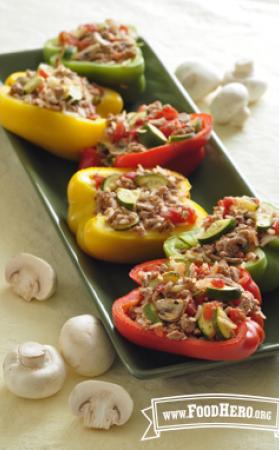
{"type": "Point", "coordinates": [34, 371]}
{"type": "Point", "coordinates": [101, 404]}
{"type": "Point", "coordinates": [198, 78]}
{"type": "Point", "coordinates": [85, 346]}
{"type": "Point", "coordinates": [30, 277]}
{"type": "Point", "coordinates": [170, 309]}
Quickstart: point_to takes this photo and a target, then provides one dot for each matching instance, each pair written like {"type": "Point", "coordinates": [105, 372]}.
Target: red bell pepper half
{"type": "Point", "coordinates": [184, 156]}
{"type": "Point", "coordinates": [246, 280]}
{"type": "Point", "coordinates": [248, 338]}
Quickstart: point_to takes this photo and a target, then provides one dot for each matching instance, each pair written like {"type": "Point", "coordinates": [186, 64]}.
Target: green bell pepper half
{"type": "Point", "coordinates": [127, 77]}
{"type": "Point", "coordinates": [264, 271]}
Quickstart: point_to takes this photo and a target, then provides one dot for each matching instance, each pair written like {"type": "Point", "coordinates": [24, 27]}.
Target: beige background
{"type": "Point", "coordinates": [218, 32]}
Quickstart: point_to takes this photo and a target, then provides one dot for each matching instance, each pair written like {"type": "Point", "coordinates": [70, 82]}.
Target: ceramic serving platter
{"type": "Point", "coordinates": [215, 178]}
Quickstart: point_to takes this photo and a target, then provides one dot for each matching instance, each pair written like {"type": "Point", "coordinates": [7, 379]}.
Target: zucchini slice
{"type": "Point", "coordinates": [32, 84]}
{"type": "Point", "coordinates": [246, 204]}
{"type": "Point", "coordinates": [150, 136]}
{"type": "Point", "coordinates": [127, 197]}
{"type": "Point", "coordinates": [216, 230]}
{"type": "Point", "coordinates": [124, 227]}
{"type": "Point", "coordinates": [207, 327]}
{"type": "Point", "coordinates": [171, 276]}
{"type": "Point", "coordinates": [225, 293]}
{"type": "Point", "coordinates": [151, 180]}
{"type": "Point", "coordinates": [109, 184]}
{"type": "Point", "coordinates": [225, 326]}
{"type": "Point", "coordinates": [263, 221]}
{"type": "Point", "coordinates": [181, 137]}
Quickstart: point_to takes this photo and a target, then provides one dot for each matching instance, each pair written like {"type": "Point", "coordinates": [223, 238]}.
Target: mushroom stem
{"type": "Point", "coordinates": [31, 354]}
{"type": "Point", "coordinates": [102, 417]}
{"type": "Point", "coordinates": [24, 285]}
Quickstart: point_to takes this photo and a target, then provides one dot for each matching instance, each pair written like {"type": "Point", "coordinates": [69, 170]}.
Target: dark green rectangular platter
{"type": "Point", "coordinates": [215, 178]}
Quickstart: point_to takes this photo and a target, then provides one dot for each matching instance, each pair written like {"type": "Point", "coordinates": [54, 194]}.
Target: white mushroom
{"type": "Point", "coordinates": [85, 345]}
{"type": "Point", "coordinates": [230, 105]}
{"type": "Point", "coordinates": [30, 277]}
{"type": "Point", "coordinates": [101, 404]}
{"type": "Point", "coordinates": [198, 78]}
{"type": "Point", "coordinates": [34, 371]}
{"type": "Point", "coordinates": [243, 72]}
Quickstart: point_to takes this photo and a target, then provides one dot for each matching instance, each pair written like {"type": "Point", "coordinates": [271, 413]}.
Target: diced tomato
{"type": "Point", "coordinates": [43, 73]}
{"type": "Point", "coordinates": [236, 315]}
{"type": "Point", "coordinates": [90, 27]}
{"type": "Point", "coordinates": [124, 28]}
{"type": "Point", "coordinates": [245, 277]}
{"type": "Point", "coordinates": [119, 132]}
{"type": "Point", "coordinates": [83, 43]}
{"type": "Point", "coordinates": [98, 179]}
{"type": "Point", "coordinates": [169, 112]}
{"type": "Point", "coordinates": [158, 331]}
{"type": "Point", "coordinates": [202, 269]}
{"type": "Point", "coordinates": [40, 88]}
{"type": "Point", "coordinates": [67, 38]}
{"type": "Point", "coordinates": [187, 215]}
{"type": "Point", "coordinates": [218, 283]}
{"type": "Point", "coordinates": [192, 216]}
{"type": "Point", "coordinates": [276, 227]}
{"type": "Point", "coordinates": [139, 122]}
{"type": "Point", "coordinates": [209, 310]}
{"type": "Point", "coordinates": [226, 202]}
{"type": "Point", "coordinates": [166, 130]}
{"type": "Point", "coordinates": [236, 302]}
{"type": "Point", "coordinates": [133, 134]}
{"type": "Point", "coordinates": [142, 108]}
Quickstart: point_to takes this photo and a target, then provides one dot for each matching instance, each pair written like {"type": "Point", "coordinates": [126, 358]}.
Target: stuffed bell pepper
{"type": "Point", "coordinates": [124, 215]}
{"type": "Point", "coordinates": [56, 109]}
{"type": "Point", "coordinates": [242, 231]}
{"type": "Point", "coordinates": [107, 53]}
{"type": "Point", "coordinates": [156, 134]}
{"type": "Point", "coordinates": [207, 311]}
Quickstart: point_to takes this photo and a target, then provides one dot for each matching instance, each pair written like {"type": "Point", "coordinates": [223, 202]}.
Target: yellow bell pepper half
{"type": "Point", "coordinates": [62, 134]}
{"type": "Point", "coordinates": [101, 241]}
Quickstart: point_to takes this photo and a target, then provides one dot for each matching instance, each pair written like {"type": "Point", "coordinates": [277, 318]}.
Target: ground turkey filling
{"type": "Point", "coordinates": [124, 130]}
{"type": "Point", "coordinates": [108, 42]}
{"type": "Point", "coordinates": [155, 207]}
{"type": "Point", "coordinates": [239, 244]}
{"type": "Point", "coordinates": [58, 89]}
{"type": "Point", "coordinates": [173, 298]}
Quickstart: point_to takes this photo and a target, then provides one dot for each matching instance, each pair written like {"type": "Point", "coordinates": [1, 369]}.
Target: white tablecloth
{"type": "Point", "coordinates": [218, 32]}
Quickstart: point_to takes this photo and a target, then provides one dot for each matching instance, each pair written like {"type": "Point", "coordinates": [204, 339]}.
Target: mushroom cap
{"type": "Point", "coordinates": [30, 277]}
{"type": "Point", "coordinates": [101, 404]}
{"type": "Point", "coordinates": [32, 370]}
{"type": "Point", "coordinates": [85, 345]}
{"type": "Point", "coordinates": [256, 88]}
{"type": "Point", "coordinates": [198, 78]}
{"type": "Point", "coordinates": [228, 102]}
